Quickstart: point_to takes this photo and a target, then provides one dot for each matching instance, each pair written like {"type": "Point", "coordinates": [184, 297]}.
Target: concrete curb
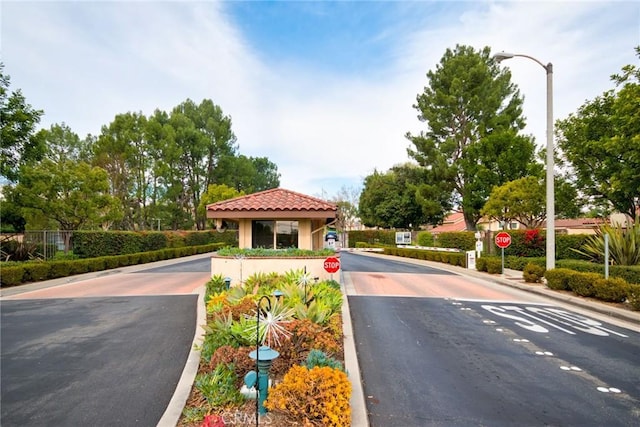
{"type": "Point", "coordinates": [177, 403]}
{"type": "Point", "coordinates": [513, 278]}
{"type": "Point", "coordinates": [359, 416]}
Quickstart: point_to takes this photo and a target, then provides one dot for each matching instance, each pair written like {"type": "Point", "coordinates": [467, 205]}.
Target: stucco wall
{"type": "Point", "coordinates": [239, 270]}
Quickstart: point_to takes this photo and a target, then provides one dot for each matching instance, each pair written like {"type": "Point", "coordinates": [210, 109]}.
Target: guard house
{"type": "Point", "coordinates": [276, 219]}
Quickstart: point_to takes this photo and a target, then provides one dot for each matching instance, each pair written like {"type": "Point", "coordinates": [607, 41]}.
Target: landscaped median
{"type": "Point", "coordinates": [291, 313]}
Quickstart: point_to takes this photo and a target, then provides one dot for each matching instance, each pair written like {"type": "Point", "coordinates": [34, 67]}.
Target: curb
{"type": "Point", "coordinates": [178, 401]}
{"type": "Point", "coordinates": [358, 406]}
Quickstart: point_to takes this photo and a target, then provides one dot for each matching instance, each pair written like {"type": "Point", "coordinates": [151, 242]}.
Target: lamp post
{"type": "Point", "coordinates": [551, 232]}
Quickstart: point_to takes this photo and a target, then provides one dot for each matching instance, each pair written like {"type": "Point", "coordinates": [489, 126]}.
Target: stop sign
{"type": "Point", "coordinates": [503, 239]}
{"type": "Point", "coordinates": [331, 264]}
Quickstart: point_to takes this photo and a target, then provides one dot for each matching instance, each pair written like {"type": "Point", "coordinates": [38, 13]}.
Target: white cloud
{"type": "Point", "coordinates": [83, 63]}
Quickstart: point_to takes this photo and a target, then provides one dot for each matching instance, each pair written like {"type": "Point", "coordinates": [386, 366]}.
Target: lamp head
{"type": "Point", "coordinates": [501, 56]}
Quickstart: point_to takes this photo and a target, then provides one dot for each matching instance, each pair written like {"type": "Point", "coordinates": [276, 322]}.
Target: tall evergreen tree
{"type": "Point", "coordinates": [472, 142]}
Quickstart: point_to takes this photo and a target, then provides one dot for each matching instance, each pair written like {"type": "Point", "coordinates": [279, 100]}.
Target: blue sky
{"type": "Point", "coordinates": [324, 89]}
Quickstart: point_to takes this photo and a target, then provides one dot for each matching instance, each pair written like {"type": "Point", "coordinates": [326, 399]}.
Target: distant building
{"type": "Point", "coordinates": [455, 222]}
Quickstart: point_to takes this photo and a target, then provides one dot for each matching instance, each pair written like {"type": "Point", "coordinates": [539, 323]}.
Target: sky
{"type": "Point", "coordinates": [324, 89]}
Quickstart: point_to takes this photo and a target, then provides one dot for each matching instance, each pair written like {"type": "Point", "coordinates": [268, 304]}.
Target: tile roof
{"type": "Point", "coordinates": [579, 223]}
{"type": "Point", "coordinates": [452, 222]}
{"type": "Point", "coordinates": [273, 200]}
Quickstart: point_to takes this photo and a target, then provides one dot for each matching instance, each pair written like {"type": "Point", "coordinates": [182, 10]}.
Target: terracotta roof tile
{"type": "Point", "coordinates": [579, 223]}
{"type": "Point", "coordinates": [273, 200]}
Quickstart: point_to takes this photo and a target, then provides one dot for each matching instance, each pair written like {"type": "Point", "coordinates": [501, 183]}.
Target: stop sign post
{"type": "Point", "coordinates": [503, 240]}
{"type": "Point", "coordinates": [331, 264]}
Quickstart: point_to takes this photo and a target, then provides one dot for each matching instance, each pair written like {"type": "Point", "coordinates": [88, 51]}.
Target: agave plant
{"type": "Point", "coordinates": [271, 330]}
{"type": "Point", "coordinates": [624, 244]}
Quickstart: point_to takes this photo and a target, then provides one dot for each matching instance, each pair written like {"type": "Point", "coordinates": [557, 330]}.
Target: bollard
{"type": "Point", "coordinates": [264, 356]}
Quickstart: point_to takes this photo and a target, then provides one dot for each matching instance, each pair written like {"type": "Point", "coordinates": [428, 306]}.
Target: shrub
{"type": "Point", "coordinates": [519, 263]}
{"type": "Point", "coordinates": [494, 265]}
{"type": "Point", "coordinates": [458, 259]}
{"type": "Point", "coordinates": [219, 387]}
{"type": "Point", "coordinates": [319, 395]}
{"type": "Point", "coordinates": [425, 238]}
{"type": "Point", "coordinates": [633, 296]}
{"type": "Point", "coordinates": [533, 273]}
{"type": "Point", "coordinates": [319, 358]}
{"type": "Point", "coordinates": [481, 263]}
{"type": "Point", "coordinates": [59, 269]}
{"type": "Point", "coordinates": [611, 289]}
{"type": "Point", "coordinates": [464, 240]}
{"type": "Point", "coordinates": [12, 275]}
{"type": "Point", "coordinates": [35, 272]}
{"type": "Point", "coordinates": [558, 278]}
{"type": "Point", "coordinates": [583, 283]}
{"type": "Point", "coordinates": [630, 273]}
{"type": "Point", "coordinates": [566, 243]}
{"type": "Point", "coordinates": [624, 244]}
{"type": "Point", "coordinates": [526, 243]}
{"type": "Point", "coordinates": [372, 237]}
{"type": "Point", "coordinates": [214, 286]}
{"type": "Point", "coordinates": [361, 245]}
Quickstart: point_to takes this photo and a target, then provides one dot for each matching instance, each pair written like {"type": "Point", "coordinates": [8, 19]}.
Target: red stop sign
{"type": "Point", "coordinates": [331, 264]}
{"type": "Point", "coordinates": [503, 239]}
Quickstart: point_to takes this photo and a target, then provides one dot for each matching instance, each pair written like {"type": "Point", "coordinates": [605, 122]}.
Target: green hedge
{"type": "Point", "coordinates": [464, 240]}
{"type": "Point", "coordinates": [533, 273]}
{"type": "Point", "coordinates": [566, 242]}
{"type": "Point", "coordinates": [425, 238]}
{"type": "Point", "coordinates": [532, 243]}
{"type": "Point", "coordinates": [453, 258]}
{"type": "Point", "coordinates": [633, 296]}
{"type": "Point", "coordinates": [558, 278]}
{"type": "Point", "coordinates": [12, 275]}
{"type": "Point", "coordinates": [583, 283]}
{"type": "Point", "coordinates": [372, 237]}
{"type": "Point", "coordinates": [92, 244]}
{"type": "Point", "coordinates": [611, 289]}
{"type": "Point", "coordinates": [594, 285]}
{"type": "Point", "coordinates": [630, 273]}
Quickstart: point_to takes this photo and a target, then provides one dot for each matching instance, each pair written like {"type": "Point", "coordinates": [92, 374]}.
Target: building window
{"type": "Point", "coordinates": [274, 234]}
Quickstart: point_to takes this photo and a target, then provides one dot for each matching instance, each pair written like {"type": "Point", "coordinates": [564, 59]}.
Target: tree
{"type": "Point", "coordinates": [347, 203]}
{"type": "Point", "coordinates": [247, 174]}
{"type": "Point", "coordinates": [19, 142]}
{"type": "Point", "coordinates": [522, 200]}
{"type": "Point", "coordinates": [72, 194]}
{"type": "Point", "coordinates": [472, 142]}
{"type": "Point", "coordinates": [216, 193]}
{"type": "Point", "coordinates": [601, 142]}
{"type": "Point", "coordinates": [122, 151]}
{"type": "Point", "coordinates": [389, 200]}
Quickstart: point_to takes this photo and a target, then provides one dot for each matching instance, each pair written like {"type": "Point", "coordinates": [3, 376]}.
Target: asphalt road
{"type": "Point", "coordinates": [100, 351]}
{"type": "Point", "coordinates": [450, 356]}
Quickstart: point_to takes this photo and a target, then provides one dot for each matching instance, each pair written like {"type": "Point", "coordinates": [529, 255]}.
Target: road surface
{"type": "Point", "coordinates": [439, 349]}
{"type": "Point", "coordinates": [105, 351]}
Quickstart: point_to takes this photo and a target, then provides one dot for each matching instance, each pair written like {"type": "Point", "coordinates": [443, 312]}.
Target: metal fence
{"type": "Point", "coordinates": [44, 244]}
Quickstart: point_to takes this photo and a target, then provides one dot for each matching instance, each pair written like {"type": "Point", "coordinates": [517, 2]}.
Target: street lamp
{"type": "Point", "coordinates": [551, 232]}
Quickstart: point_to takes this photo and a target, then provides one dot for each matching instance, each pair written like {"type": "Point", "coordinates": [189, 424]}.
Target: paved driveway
{"type": "Point", "coordinates": [109, 359]}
